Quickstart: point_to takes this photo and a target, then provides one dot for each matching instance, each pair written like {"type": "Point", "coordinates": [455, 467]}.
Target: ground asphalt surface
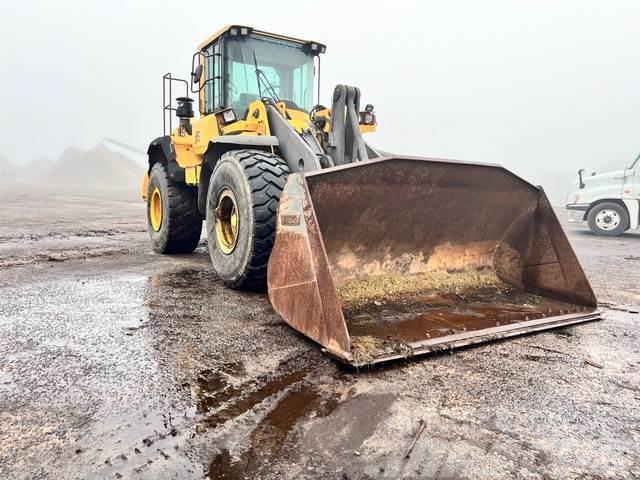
{"type": "Point", "coordinates": [119, 363]}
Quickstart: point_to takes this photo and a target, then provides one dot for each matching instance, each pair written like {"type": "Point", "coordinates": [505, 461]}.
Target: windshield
{"type": "Point", "coordinates": [285, 68]}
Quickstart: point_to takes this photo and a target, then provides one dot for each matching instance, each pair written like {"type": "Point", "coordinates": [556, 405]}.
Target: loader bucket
{"type": "Point", "coordinates": [400, 256]}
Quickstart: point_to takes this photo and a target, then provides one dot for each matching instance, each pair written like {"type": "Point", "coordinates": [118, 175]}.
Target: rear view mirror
{"type": "Point", "coordinates": [196, 75]}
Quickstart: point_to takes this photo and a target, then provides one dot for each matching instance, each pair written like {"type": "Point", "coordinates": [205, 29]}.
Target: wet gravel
{"type": "Point", "coordinates": [118, 363]}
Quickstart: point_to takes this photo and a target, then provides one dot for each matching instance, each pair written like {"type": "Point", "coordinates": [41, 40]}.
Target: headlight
{"type": "Point", "coordinates": [314, 48]}
{"type": "Point", "coordinates": [367, 118]}
{"type": "Point", "coordinates": [237, 30]}
{"type": "Point", "coordinates": [225, 117]}
{"type": "Point", "coordinates": [229, 116]}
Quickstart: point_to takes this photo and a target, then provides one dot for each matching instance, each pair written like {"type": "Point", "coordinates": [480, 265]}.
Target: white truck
{"type": "Point", "coordinates": [609, 202]}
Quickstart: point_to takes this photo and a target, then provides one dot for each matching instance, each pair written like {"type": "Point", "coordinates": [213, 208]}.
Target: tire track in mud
{"type": "Point", "coordinates": [301, 397]}
{"type": "Point", "coordinates": [293, 392]}
{"type": "Point", "coordinates": [269, 439]}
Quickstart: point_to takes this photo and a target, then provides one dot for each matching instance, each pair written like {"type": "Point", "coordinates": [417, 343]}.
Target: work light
{"type": "Point", "coordinates": [229, 116]}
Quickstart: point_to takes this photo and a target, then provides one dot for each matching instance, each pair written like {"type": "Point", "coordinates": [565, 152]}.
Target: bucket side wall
{"type": "Point", "coordinates": [300, 285]}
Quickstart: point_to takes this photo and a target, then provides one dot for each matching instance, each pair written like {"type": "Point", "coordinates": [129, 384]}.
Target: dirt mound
{"type": "Point", "coordinates": [99, 168]}
{"type": "Point", "coordinates": [8, 170]}
{"type": "Point", "coordinates": [35, 171]}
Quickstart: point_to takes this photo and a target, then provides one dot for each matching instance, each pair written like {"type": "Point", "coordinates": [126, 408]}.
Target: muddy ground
{"type": "Point", "coordinates": [118, 363]}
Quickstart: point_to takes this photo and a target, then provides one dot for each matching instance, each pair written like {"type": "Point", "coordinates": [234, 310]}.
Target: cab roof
{"type": "Point", "coordinates": [226, 28]}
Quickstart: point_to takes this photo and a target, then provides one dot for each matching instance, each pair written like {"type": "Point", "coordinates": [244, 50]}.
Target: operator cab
{"type": "Point", "coordinates": [241, 65]}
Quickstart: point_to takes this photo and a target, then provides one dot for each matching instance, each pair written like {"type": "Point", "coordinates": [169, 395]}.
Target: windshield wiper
{"type": "Point", "coordinates": [262, 79]}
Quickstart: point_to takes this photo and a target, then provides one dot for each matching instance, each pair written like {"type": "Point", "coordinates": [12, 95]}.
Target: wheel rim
{"type": "Point", "coordinates": [155, 209]}
{"type": "Point", "coordinates": [607, 219]}
{"type": "Point", "coordinates": [227, 221]}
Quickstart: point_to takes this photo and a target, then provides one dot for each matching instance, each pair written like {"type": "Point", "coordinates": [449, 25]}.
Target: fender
{"type": "Point", "coordinates": [224, 143]}
{"type": "Point", "coordinates": [162, 150]}
{"type": "Point", "coordinates": [633, 208]}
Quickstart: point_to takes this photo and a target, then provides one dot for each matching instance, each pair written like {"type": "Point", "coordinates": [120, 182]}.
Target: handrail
{"type": "Point", "coordinates": [167, 103]}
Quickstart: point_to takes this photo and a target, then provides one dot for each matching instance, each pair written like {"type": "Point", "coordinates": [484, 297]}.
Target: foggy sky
{"type": "Point", "coordinates": [543, 87]}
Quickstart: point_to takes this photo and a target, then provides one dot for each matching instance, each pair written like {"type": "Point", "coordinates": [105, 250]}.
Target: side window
{"type": "Point", "coordinates": [213, 77]}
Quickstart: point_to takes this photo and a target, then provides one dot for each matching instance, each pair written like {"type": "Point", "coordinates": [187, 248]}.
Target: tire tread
{"type": "Point", "coordinates": [266, 175]}
{"type": "Point", "coordinates": [184, 218]}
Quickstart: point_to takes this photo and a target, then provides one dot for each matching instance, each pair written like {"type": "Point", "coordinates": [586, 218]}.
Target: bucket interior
{"type": "Point", "coordinates": [382, 323]}
{"type": "Point", "coordinates": [419, 251]}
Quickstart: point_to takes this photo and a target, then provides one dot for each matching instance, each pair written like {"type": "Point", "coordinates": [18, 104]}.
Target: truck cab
{"type": "Point", "coordinates": [609, 202]}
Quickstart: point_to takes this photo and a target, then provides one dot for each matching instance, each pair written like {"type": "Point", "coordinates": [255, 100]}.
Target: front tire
{"type": "Point", "coordinates": [242, 201]}
{"type": "Point", "coordinates": [173, 219]}
{"type": "Point", "coordinates": [608, 219]}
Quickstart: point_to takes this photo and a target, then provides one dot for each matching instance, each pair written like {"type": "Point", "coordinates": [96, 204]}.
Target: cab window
{"type": "Point", "coordinates": [213, 99]}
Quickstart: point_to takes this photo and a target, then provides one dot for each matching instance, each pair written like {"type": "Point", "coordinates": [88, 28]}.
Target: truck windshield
{"type": "Point", "coordinates": [287, 69]}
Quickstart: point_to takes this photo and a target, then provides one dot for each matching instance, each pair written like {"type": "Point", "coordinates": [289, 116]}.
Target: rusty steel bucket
{"type": "Point", "coordinates": [400, 256]}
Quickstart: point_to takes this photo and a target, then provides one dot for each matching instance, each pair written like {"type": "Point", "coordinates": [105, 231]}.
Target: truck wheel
{"type": "Point", "coordinates": [609, 219]}
{"type": "Point", "coordinates": [173, 219]}
{"type": "Point", "coordinates": [242, 202]}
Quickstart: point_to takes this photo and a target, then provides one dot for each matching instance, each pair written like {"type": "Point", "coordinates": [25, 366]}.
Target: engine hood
{"type": "Point", "coordinates": [612, 176]}
{"type": "Point", "coordinates": [602, 185]}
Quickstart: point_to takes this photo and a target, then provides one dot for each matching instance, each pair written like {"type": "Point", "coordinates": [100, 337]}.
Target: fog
{"type": "Point", "coordinates": [543, 87]}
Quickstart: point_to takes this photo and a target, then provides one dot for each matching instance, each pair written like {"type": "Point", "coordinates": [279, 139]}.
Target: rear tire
{"type": "Point", "coordinates": [242, 201]}
{"type": "Point", "coordinates": [174, 224]}
{"type": "Point", "coordinates": [609, 219]}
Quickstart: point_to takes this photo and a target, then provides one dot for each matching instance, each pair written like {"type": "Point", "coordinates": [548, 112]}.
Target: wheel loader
{"type": "Point", "coordinates": [373, 256]}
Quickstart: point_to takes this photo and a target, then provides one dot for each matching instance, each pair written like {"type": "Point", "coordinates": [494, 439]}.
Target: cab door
{"type": "Point", "coordinates": [631, 183]}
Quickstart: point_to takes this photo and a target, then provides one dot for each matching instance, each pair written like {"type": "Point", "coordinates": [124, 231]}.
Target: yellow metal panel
{"type": "Point", "coordinates": [326, 113]}
{"type": "Point", "coordinates": [258, 113]}
{"type": "Point", "coordinates": [144, 185]}
{"type": "Point", "coordinates": [282, 107]}
{"type": "Point", "coordinates": [299, 120]}
{"type": "Point", "coordinates": [242, 126]}
{"type": "Point", "coordinates": [181, 139]}
{"type": "Point", "coordinates": [204, 129]}
{"type": "Point", "coordinates": [192, 175]}
{"type": "Point", "coordinates": [185, 152]}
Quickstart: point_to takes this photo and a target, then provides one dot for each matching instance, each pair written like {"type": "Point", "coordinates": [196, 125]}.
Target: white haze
{"type": "Point", "coordinates": [543, 87]}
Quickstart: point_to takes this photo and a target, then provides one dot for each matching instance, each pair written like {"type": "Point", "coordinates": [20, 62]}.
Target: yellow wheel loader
{"type": "Point", "coordinates": [373, 256]}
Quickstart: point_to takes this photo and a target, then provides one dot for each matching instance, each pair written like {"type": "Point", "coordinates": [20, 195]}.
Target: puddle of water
{"type": "Point", "coordinates": [439, 322]}
{"type": "Point", "coordinates": [420, 318]}
{"type": "Point", "coordinates": [252, 398]}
